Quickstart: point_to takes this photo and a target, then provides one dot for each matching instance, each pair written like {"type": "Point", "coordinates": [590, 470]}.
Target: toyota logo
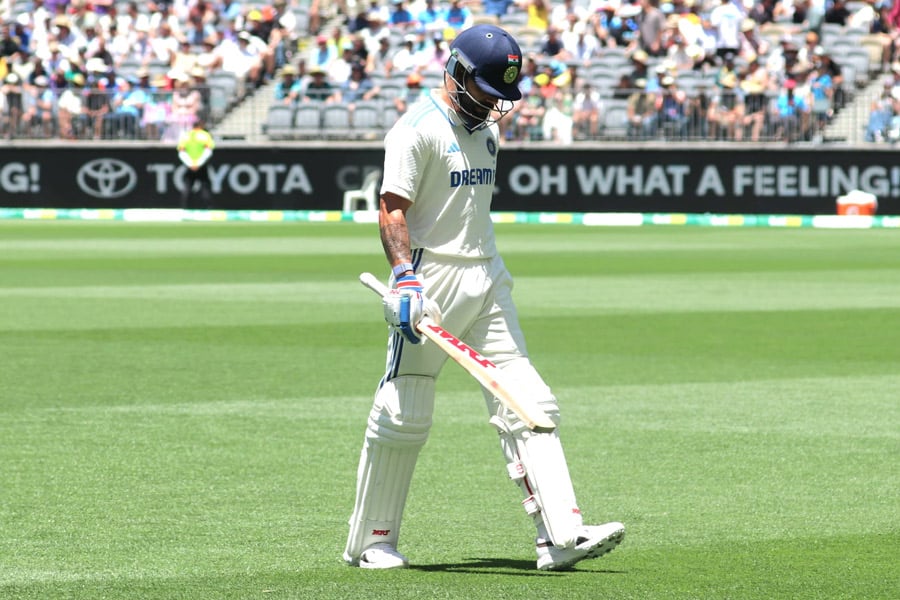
{"type": "Point", "coordinates": [106, 178]}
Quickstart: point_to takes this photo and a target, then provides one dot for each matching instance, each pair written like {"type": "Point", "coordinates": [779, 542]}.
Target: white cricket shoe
{"type": "Point", "coordinates": [382, 556]}
{"type": "Point", "coordinates": [594, 542]}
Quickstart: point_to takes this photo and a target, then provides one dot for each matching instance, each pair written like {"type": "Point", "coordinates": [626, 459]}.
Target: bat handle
{"type": "Point", "coordinates": [373, 283]}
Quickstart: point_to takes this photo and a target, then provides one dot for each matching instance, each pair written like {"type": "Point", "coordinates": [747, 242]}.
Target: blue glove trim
{"type": "Point", "coordinates": [406, 328]}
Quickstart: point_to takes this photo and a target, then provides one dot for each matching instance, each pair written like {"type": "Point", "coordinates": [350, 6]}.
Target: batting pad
{"type": "Point", "coordinates": [535, 461]}
{"type": "Point", "coordinates": [397, 429]}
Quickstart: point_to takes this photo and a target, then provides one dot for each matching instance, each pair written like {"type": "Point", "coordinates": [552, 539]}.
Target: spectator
{"type": "Point", "coordinates": [41, 110]}
{"type": "Point", "coordinates": [186, 103]}
{"type": "Point", "coordinates": [323, 54]}
{"type": "Point", "coordinates": [752, 44]}
{"type": "Point", "coordinates": [726, 109]}
{"type": "Point", "coordinates": [400, 17]}
{"type": "Point", "coordinates": [837, 13]}
{"type": "Point", "coordinates": [882, 113]}
{"type": "Point", "coordinates": [12, 92]}
{"type": "Point", "coordinates": [566, 13]}
{"type": "Point", "coordinates": [580, 46]}
{"type": "Point", "coordinates": [755, 84]}
{"type": "Point", "coordinates": [412, 93]}
{"type": "Point", "coordinates": [538, 13]}
{"type": "Point", "coordinates": [552, 44]}
{"type": "Point", "coordinates": [651, 25]}
{"type": "Point", "coordinates": [497, 9]}
{"type": "Point", "coordinates": [821, 91]}
{"type": "Point", "coordinates": [726, 18]}
{"type": "Point", "coordinates": [458, 16]}
{"type": "Point", "coordinates": [791, 113]}
{"type": "Point", "coordinates": [586, 109]}
{"type": "Point", "coordinates": [381, 60]}
{"type": "Point", "coordinates": [673, 109]}
{"type": "Point", "coordinates": [405, 59]}
{"type": "Point", "coordinates": [431, 18]}
{"type": "Point", "coordinates": [123, 119]}
{"type": "Point", "coordinates": [97, 101]}
{"type": "Point", "coordinates": [556, 125]}
{"type": "Point", "coordinates": [359, 87]}
{"type": "Point", "coordinates": [318, 88]}
{"type": "Point", "coordinates": [642, 112]}
{"type": "Point", "coordinates": [70, 107]}
{"type": "Point", "coordinates": [289, 88]}
{"type": "Point", "coordinates": [529, 115]}
{"type": "Point", "coordinates": [242, 59]}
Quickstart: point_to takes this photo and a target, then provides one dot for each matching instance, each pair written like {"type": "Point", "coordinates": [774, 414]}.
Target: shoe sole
{"type": "Point", "coordinates": [602, 548]}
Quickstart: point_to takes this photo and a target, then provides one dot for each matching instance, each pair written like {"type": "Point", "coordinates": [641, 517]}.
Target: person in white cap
{"type": "Point", "coordinates": [440, 167]}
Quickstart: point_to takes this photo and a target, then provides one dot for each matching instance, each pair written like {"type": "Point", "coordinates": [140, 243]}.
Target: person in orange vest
{"type": "Point", "coordinates": [195, 148]}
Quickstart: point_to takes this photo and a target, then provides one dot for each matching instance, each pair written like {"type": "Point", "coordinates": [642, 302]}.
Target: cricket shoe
{"type": "Point", "coordinates": [382, 556]}
{"type": "Point", "coordinates": [593, 542]}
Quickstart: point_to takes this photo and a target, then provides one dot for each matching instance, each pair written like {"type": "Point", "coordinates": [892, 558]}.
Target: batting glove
{"type": "Point", "coordinates": [406, 304]}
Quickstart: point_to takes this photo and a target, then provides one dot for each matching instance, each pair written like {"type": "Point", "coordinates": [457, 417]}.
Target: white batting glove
{"type": "Point", "coordinates": [405, 305]}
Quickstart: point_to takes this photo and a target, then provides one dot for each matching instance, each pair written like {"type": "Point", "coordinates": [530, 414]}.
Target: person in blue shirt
{"type": "Point", "coordinates": [400, 17]}
{"type": "Point", "coordinates": [791, 113]}
{"type": "Point", "coordinates": [289, 88]}
{"type": "Point", "coordinates": [457, 16]}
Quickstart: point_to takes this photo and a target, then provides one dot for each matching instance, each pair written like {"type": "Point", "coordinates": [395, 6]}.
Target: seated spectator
{"type": "Point", "coordinates": [726, 109]}
{"type": "Point", "coordinates": [557, 122]}
{"type": "Point", "coordinates": [243, 59]}
{"type": "Point", "coordinates": [359, 87]}
{"type": "Point", "coordinates": [400, 17]}
{"type": "Point", "coordinates": [580, 46]}
{"type": "Point", "coordinates": [41, 109]}
{"type": "Point", "coordinates": [124, 116]}
{"type": "Point", "coordinates": [431, 17]}
{"type": "Point", "coordinates": [289, 88]}
{"type": "Point", "coordinates": [318, 88]}
{"type": "Point", "coordinates": [673, 109]}
{"type": "Point", "coordinates": [12, 92]}
{"type": "Point", "coordinates": [70, 107]}
{"type": "Point", "coordinates": [755, 84]}
{"type": "Point", "coordinates": [322, 54]}
{"type": "Point", "coordinates": [791, 113]}
{"type": "Point", "coordinates": [496, 9]}
{"type": "Point", "coordinates": [186, 104]}
{"type": "Point", "coordinates": [883, 111]}
{"type": "Point", "coordinates": [412, 93]}
{"type": "Point", "coordinates": [97, 101]}
{"type": "Point", "coordinates": [642, 112]}
{"type": "Point", "coordinates": [529, 116]}
{"type": "Point", "coordinates": [458, 16]}
{"type": "Point", "coordinates": [586, 109]}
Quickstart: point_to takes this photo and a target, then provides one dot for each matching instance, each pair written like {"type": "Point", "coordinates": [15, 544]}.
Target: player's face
{"type": "Point", "coordinates": [475, 104]}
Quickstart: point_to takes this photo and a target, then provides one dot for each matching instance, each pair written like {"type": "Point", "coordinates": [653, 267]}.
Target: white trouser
{"type": "Point", "coordinates": [475, 297]}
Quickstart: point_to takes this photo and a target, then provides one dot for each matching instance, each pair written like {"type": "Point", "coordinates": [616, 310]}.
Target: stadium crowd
{"type": "Point", "coordinates": [639, 69]}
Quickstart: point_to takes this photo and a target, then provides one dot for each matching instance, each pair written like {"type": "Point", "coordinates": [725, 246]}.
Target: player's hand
{"type": "Point", "coordinates": [406, 304]}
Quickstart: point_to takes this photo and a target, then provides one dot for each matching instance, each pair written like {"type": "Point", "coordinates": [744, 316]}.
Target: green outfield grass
{"type": "Point", "coordinates": [182, 408]}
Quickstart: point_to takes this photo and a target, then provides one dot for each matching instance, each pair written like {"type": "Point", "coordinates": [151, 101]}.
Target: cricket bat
{"type": "Point", "coordinates": [489, 375]}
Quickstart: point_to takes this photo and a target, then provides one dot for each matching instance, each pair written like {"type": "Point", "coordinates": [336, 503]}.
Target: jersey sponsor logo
{"type": "Point", "coordinates": [472, 177]}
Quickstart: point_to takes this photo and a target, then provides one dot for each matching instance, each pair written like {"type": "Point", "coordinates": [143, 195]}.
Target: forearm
{"type": "Point", "coordinates": [394, 234]}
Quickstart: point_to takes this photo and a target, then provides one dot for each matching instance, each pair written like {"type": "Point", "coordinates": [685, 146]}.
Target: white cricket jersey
{"type": "Point", "coordinates": [448, 174]}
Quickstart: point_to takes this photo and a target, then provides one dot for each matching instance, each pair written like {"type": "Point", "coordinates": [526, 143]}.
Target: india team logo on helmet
{"type": "Point", "coordinates": [492, 57]}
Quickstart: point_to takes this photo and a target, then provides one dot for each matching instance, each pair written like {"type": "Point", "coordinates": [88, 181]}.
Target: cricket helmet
{"type": "Point", "coordinates": [491, 57]}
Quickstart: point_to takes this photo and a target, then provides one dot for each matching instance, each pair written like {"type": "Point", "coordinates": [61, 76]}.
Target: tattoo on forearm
{"type": "Point", "coordinates": [395, 240]}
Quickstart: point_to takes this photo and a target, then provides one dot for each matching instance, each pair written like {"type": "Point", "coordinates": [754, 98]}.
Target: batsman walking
{"type": "Point", "coordinates": [439, 169]}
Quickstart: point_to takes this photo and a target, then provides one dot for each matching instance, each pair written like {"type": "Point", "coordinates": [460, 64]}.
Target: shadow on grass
{"type": "Point", "coordinates": [495, 566]}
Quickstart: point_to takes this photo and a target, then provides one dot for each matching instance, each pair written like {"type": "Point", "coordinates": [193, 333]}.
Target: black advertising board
{"type": "Point", "coordinates": [751, 180]}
